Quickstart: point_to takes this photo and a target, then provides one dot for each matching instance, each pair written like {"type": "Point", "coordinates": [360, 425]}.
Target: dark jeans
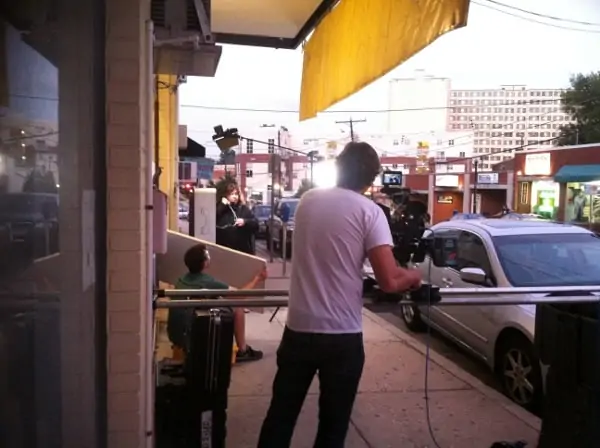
{"type": "Point", "coordinates": [338, 359]}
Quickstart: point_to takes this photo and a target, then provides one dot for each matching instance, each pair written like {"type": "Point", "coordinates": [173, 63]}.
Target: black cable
{"type": "Point", "coordinates": [373, 111]}
{"type": "Point", "coordinates": [543, 16]}
{"type": "Point", "coordinates": [428, 357]}
{"type": "Point", "coordinates": [529, 19]}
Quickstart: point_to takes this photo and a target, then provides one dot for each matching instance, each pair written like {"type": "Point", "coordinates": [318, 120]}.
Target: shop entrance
{"type": "Point", "coordinates": [544, 199]}
{"type": "Point", "coordinates": [583, 202]}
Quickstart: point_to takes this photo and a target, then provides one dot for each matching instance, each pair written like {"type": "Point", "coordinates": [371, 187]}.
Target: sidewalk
{"type": "Point", "coordinates": [390, 407]}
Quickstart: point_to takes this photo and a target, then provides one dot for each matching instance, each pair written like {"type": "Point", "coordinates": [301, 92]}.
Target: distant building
{"type": "Point", "coordinates": [505, 118]}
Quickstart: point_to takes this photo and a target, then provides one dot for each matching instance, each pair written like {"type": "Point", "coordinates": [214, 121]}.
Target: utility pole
{"type": "Point", "coordinates": [351, 123]}
{"type": "Point", "coordinates": [311, 159]}
{"type": "Point", "coordinates": [475, 172]}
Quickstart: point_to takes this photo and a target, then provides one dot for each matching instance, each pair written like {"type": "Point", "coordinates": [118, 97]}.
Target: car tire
{"type": "Point", "coordinates": [411, 316]}
{"type": "Point", "coordinates": [519, 371]}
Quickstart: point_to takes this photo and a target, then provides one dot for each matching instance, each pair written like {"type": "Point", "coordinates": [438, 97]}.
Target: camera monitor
{"type": "Point", "coordinates": [391, 179]}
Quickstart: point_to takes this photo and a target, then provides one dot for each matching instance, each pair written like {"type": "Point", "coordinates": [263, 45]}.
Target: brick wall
{"type": "Point", "coordinates": [128, 295]}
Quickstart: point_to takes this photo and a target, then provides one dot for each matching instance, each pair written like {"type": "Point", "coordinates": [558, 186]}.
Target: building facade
{"type": "Point", "coordinates": [506, 118]}
{"type": "Point", "coordinates": [559, 183]}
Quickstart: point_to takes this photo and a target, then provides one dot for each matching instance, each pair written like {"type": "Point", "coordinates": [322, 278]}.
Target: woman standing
{"type": "Point", "coordinates": [236, 224]}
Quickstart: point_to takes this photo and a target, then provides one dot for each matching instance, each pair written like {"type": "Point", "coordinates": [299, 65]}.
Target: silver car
{"type": "Point", "coordinates": [505, 253]}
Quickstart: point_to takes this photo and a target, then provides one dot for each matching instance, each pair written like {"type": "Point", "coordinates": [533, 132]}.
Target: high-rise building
{"type": "Point", "coordinates": [507, 118]}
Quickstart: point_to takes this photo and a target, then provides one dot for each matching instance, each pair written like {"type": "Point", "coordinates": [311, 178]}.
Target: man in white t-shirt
{"type": "Point", "coordinates": [335, 230]}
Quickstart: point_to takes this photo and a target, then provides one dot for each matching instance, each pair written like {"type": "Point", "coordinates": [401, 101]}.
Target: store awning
{"type": "Point", "coordinates": [359, 41]}
{"type": "Point", "coordinates": [266, 23]}
{"type": "Point", "coordinates": [577, 173]}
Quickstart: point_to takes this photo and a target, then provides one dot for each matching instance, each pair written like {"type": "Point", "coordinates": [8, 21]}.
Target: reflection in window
{"type": "Point", "coordinates": [583, 202]}
{"type": "Point", "coordinates": [30, 355]}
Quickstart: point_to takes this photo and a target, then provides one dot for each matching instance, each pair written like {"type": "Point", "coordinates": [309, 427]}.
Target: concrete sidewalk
{"type": "Point", "coordinates": [390, 407]}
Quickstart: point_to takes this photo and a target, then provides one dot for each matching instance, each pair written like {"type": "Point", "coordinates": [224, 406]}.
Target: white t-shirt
{"type": "Point", "coordinates": [333, 230]}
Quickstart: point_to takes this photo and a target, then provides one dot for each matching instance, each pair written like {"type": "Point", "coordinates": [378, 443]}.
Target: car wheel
{"type": "Point", "coordinates": [519, 371]}
{"type": "Point", "coordinates": [411, 315]}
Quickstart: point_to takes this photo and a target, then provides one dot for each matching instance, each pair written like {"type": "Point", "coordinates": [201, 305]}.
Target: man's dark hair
{"type": "Point", "coordinates": [358, 165]}
{"type": "Point", "coordinates": [195, 258]}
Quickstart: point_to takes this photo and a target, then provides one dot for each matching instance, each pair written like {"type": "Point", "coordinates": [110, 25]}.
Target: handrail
{"type": "Point", "coordinates": [174, 293]}
{"type": "Point", "coordinates": [268, 302]}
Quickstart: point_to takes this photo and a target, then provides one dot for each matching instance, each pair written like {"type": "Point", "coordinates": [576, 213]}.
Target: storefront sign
{"type": "Point", "coordinates": [538, 164]}
{"type": "Point", "coordinates": [487, 178]}
{"type": "Point", "coordinates": [445, 199]}
{"type": "Point", "coordinates": [447, 180]}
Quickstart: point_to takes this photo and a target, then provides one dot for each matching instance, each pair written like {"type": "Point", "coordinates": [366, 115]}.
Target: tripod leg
{"type": "Point", "coordinates": [274, 314]}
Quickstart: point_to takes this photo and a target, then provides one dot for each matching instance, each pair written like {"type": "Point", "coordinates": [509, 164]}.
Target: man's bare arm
{"type": "Point", "coordinates": [390, 277]}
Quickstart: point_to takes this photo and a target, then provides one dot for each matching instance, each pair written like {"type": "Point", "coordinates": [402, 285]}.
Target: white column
{"type": "Point", "coordinates": [510, 190]}
{"type": "Point", "coordinates": [467, 196]}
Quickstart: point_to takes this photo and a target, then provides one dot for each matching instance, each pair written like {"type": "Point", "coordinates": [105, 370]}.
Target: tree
{"type": "Point", "coordinates": [227, 157]}
{"type": "Point", "coordinates": [305, 185]}
{"type": "Point", "coordinates": [582, 102]}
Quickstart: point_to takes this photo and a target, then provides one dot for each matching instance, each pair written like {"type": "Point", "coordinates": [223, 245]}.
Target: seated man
{"type": "Point", "coordinates": [197, 259]}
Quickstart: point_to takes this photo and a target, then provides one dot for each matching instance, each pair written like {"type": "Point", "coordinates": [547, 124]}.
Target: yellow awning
{"type": "Point", "coordinates": [362, 40]}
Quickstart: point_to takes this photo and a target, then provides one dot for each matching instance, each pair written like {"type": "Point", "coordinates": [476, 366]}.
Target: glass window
{"type": "Point", "coordinates": [550, 260]}
{"type": "Point", "coordinates": [471, 252]}
{"type": "Point", "coordinates": [583, 202]}
{"type": "Point", "coordinates": [51, 162]}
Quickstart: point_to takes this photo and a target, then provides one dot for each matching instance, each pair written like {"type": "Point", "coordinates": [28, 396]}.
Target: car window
{"type": "Point", "coordinates": [445, 247]}
{"type": "Point", "coordinates": [471, 252]}
{"type": "Point", "coordinates": [550, 259]}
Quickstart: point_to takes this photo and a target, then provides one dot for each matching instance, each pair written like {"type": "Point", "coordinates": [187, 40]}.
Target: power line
{"type": "Point", "coordinates": [529, 19]}
{"type": "Point", "coordinates": [373, 111]}
{"type": "Point", "coordinates": [544, 16]}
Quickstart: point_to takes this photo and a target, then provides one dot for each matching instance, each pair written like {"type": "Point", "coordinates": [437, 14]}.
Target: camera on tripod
{"type": "Point", "coordinates": [408, 221]}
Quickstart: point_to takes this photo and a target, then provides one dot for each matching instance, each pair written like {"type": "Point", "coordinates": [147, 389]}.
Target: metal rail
{"type": "Point", "coordinates": [271, 303]}
{"type": "Point", "coordinates": [445, 292]}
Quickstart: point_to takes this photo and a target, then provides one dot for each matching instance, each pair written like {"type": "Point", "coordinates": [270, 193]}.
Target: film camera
{"type": "Point", "coordinates": [408, 221]}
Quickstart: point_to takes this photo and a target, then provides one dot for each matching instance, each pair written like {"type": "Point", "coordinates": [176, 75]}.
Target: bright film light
{"type": "Point", "coordinates": [325, 174]}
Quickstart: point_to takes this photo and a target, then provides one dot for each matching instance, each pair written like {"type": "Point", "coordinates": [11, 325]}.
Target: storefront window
{"type": "Point", "coordinates": [50, 219]}
{"type": "Point", "coordinates": [583, 202]}
{"type": "Point", "coordinates": [544, 199]}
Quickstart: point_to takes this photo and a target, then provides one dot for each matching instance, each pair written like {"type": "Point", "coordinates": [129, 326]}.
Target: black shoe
{"type": "Point", "coordinates": [248, 355]}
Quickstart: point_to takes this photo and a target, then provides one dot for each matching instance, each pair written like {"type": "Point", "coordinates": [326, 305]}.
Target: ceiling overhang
{"type": "Point", "coordinates": [267, 23]}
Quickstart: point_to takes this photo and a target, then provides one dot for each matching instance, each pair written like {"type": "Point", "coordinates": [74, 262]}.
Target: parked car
{"type": "Point", "coordinates": [262, 214]}
{"type": "Point", "coordinates": [184, 211]}
{"type": "Point", "coordinates": [464, 216]}
{"type": "Point", "coordinates": [275, 228]}
{"type": "Point", "coordinates": [28, 226]}
{"type": "Point", "coordinates": [523, 217]}
{"type": "Point", "coordinates": [505, 253]}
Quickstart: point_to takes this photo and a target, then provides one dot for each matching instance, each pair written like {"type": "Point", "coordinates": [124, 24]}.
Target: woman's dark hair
{"type": "Point", "coordinates": [358, 165]}
{"type": "Point", "coordinates": [195, 258]}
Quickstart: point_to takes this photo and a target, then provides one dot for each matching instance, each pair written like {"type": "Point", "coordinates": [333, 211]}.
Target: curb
{"type": "Point", "coordinates": [448, 365]}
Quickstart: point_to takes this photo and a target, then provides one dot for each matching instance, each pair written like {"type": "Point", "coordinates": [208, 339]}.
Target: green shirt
{"type": "Point", "coordinates": [180, 319]}
{"type": "Point", "coordinates": [199, 281]}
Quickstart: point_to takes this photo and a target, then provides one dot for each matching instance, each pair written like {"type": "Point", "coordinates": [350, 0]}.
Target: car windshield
{"type": "Point", "coordinates": [262, 211]}
{"type": "Point", "coordinates": [550, 260]}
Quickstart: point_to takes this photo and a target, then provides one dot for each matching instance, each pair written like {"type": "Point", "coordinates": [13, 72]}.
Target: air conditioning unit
{"type": "Point", "coordinates": [183, 41]}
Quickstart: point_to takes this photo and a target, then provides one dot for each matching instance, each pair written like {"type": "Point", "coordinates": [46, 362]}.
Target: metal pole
{"type": "Point", "coordinates": [272, 201]}
{"type": "Point", "coordinates": [272, 302]}
{"type": "Point", "coordinates": [476, 173]}
{"type": "Point", "coordinates": [445, 292]}
{"type": "Point", "coordinates": [284, 248]}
